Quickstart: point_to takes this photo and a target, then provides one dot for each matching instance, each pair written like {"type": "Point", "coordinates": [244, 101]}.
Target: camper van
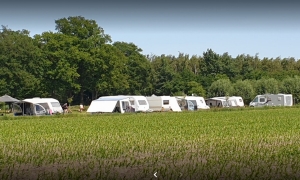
{"type": "Point", "coordinates": [272, 100]}
{"type": "Point", "coordinates": [37, 106]}
{"type": "Point", "coordinates": [163, 103]}
{"type": "Point", "coordinates": [199, 102]}
{"type": "Point", "coordinates": [110, 104]}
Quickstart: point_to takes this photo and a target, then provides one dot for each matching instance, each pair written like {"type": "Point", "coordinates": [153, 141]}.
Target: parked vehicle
{"type": "Point", "coordinates": [272, 100]}
{"type": "Point", "coordinates": [233, 101]}
{"type": "Point", "coordinates": [197, 101]}
{"type": "Point", "coordinates": [137, 103]}
{"type": "Point", "coordinates": [163, 103]}
{"type": "Point", "coordinates": [110, 104]}
{"type": "Point", "coordinates": [37, 106]}
{"type": "Point", "coordinates": [217, 102]}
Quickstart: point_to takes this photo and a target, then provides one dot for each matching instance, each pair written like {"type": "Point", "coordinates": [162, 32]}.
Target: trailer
{"type": "Point", "coordinates": [233, 101]}
{"type": "Point", "coordinates": [217, 102]}
{"type": "Point", "coordinates": [37, 106]}
{"type": "Point", "coordinates": [110, 104]}
{"type": "Point", "coordinates": [186, 104]}
{"type": "Point", "coordinates": [159, 103]}
{"type": "Point", "coordinates": [163, 103]}
{"type": "Point", "coordinates": [199, 102]}
{"type": "Point", "coordinates": [138, 103]}
{"type": "Point", "coordinates": [272, 100]}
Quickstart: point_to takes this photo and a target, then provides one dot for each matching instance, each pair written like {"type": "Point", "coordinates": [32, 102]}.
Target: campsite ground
{"type": "Point", "coordinates": [215, 144]}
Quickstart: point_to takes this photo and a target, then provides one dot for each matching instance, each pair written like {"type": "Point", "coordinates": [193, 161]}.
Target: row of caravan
{"type": "Point", "coordinates": [133, 103]}
{"type": "Point", "coordinates": [129, 103]}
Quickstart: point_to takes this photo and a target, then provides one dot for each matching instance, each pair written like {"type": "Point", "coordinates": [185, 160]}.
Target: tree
{"type": "Point", "coordinates": [244, 89]}
{"type": "Point", "coordinates": [267, 86]}
{"type": "Point", "coordinates": [165, 77]}
{"type": "Point", "coordinates": [61, 57]}
{"type": "Point", "coordinates": [221, 87]}
{"type": "Point", "coordinates": [108, 72]}
{"type": "Point", "coordinates": [195, 88]}
{"type": "Point", "coordinates": [90, 38]}
{"type": "Point", "coordinates": [21, 67]}
{"type": "Point", "coordinates": [138, 68]}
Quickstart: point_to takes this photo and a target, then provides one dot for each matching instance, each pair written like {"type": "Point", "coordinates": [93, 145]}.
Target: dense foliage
{"type": "Point", "coordinates": [79, 63]}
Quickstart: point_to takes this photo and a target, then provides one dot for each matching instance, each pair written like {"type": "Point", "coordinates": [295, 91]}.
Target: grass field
{"type": "Point", "coordinates": [237, 144]}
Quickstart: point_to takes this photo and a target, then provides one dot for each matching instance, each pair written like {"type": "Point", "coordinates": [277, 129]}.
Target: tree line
{"type": "Point", "coordinates": [80, 62]}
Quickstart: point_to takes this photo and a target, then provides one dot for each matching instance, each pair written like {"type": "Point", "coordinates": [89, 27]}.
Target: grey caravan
{"type": "Point", "coordinates": [272, 100]}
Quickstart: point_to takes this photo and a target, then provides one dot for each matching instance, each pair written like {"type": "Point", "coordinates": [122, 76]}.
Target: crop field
{"type": "Point", "coordinates": [237, 144]}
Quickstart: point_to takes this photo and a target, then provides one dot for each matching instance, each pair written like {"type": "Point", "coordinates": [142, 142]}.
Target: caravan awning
{"type": "Point", "coordinates": [174, 104]}
{"type": "Point", "coordinates": [102, 106]}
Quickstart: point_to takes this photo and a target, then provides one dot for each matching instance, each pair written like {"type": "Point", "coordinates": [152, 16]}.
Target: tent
{"type": "Point", "coordinates": [7, 99]}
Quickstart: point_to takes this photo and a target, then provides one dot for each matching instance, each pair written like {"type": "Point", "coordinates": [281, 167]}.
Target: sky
{"type": "Point", "coordinates": [268, 28]}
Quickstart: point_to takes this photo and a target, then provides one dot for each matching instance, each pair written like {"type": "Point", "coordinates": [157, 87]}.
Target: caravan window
{"type": "Point", "coordinates": [194, 102]}
{"type": "Point", "coordinates": [55, 104]}
{"type": "Point", "coordinates": [132, 102]}
{"type": "Point", "coordinates": [201, 102]}
{"type": "Point", "coordinates": [125, 104]}
{"type": "Point", "coordinates": [45, 105]}
{"type": "Point", "coordinates": [38, 108]}
{"type": "Point", "coordinates": [165, 102]}
{"type": "Point", "coordinates": [142, 102]}
{"type": "Point", "coordinates": [262, 99]}
{"type": "Point", "coordinates": [240, 100]}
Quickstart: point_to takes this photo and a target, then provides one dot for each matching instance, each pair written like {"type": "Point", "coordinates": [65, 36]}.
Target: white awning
{"type": "Point", "coordinates": [174, 104]}
{"type": "Point", "coordinates": [102, 106]}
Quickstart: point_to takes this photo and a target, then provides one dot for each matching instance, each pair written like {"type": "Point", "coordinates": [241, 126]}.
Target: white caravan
{"type": "Point", "coordinates": [216, 102]}
{"type": "Point", "coordinates": [233, 101]}
{"type": "Point", "coordinates": [37, 106]}
{"type": "Point", "coordinates": [163, 103]}
{"type": "Point", "coordinates": [186, 104]}
{"type": "Point", "coordinates": [174, 105]}
{"type": "Point", "coordinates": [272, 100]}
{"type": "Point", "coordinates": [138, 103]}
{"type": "Point", "coordinates": [198, 101]}
{"type": "Point", "coordinates": [110, 104]}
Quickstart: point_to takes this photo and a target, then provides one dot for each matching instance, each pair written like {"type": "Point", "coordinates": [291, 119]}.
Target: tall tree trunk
{"type": "Point", "coordinates": [81, 96]}
{"type": "Point", "coordinates": [96, 94]}
{"type": "Point", "coordinates": [93, 94]}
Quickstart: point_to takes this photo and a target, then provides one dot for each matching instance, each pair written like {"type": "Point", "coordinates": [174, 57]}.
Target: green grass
{"type": "Point", "coordinates": [252, 143]}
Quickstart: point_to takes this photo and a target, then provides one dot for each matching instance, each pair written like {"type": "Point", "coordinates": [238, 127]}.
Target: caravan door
{"type": "Point", "coordinates": [39, 109]}
{"type": "Point", "coordinates": [17, 110]}
{"type": "Point", "coordinates": [191, 106]}
{"type": "Point", "coordinates": [126, 107]}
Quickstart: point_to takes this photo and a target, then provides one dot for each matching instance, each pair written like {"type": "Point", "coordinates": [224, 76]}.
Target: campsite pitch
{"type": "Point", "coordinates": [248, 144]}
